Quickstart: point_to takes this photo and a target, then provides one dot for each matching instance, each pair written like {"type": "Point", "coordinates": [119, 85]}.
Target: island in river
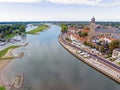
{"type": "Point", "coordinates": [38, 29]}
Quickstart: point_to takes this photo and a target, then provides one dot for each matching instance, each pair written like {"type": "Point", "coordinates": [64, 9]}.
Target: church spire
{"type": "Point", "coordinates": [93, 20]}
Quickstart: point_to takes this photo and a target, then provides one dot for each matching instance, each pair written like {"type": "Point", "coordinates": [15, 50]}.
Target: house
{"type": "Point", "coordinates": [72, 29]}
{"type": "Point", "coordinates": [116, 53]}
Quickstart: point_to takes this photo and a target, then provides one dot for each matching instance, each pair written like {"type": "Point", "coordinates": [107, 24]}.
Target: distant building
{"type": "Point", "coordinates": [96, 31]}
{"type": "Point", "coordinates": [72, 29]}
{"type": "Point", "coordinates": [92, 31]}
{"type": "Point", "coordinates": [116, 53]}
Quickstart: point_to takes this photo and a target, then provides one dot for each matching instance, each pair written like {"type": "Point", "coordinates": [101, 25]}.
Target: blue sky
{"type": "Point", "coordinates": [59, 10]}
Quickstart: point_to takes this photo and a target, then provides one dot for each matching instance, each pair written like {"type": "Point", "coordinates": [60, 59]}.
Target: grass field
{"type": "Point", "coordinates": [2, 88]}
{"type": "Point", "coordinates": [10, 36]}
{"type": "Point", "coordinates": [4, 51]}
{"type": "Point", "coordinates": [40, 28]}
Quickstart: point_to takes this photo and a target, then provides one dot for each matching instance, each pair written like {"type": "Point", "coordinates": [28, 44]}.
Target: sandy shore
{"type": "Point", "coordinates": [5, 62]}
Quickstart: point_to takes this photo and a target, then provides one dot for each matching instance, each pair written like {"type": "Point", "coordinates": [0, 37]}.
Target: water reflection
{"type": "Point", "coordinates": [46, 65]}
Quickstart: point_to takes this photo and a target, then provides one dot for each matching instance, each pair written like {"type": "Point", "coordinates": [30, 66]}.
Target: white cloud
{"type": "Point", "coordinates": [83, 2]}
{"type": "Point", "coordinates": [76, 2]}
{"type": "Point", "coordinates": [88, 2]}
{"type": "Point", "coordinates": [19, 1]}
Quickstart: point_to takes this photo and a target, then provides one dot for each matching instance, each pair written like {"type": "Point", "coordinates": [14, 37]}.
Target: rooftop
{"type": "Point", "coordinates": [108, 30]}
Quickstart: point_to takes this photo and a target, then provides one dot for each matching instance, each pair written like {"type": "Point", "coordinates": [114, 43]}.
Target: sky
{"type": "Point", "coordinates": [59, 10]}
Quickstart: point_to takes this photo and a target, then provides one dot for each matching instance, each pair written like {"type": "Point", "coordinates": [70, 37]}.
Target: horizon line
{"type": "Point", "coordinates": [61, 21]}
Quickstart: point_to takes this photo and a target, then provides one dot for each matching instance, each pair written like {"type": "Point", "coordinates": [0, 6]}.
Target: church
{"type": "Point", "coordinates": [95, 32]}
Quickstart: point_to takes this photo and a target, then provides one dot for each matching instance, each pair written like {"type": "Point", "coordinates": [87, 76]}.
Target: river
{"type": "Point", "coordinates": [46, 65]}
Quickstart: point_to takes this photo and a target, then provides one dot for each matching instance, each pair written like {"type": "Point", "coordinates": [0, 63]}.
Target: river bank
{"type": "Point", "coordinates": [6, 58]}
{"type": "Point", "coordinates": [39, 29]}
{"type": "Point", "coordinates": [103, 68]}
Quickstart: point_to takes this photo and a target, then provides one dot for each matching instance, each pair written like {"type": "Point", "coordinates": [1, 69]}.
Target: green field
{"type": "Point", "coordinates": [40, 28]}
{"type": "Point", "coordinates": [10, 36]}
{"type": "Point", "coordinates": [2, 88]}
{"type": "Point", "coordinates": [4, 51]}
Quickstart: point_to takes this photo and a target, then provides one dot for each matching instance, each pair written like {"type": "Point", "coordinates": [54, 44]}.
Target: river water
{"type": "Point", "coordinates": [46, 65]}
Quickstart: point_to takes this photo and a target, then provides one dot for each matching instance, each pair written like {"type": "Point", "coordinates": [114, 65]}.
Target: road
{"type": "Point", "coordinates": [100, 59]}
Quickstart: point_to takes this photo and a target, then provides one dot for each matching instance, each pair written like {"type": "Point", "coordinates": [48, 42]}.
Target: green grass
{"type": "Point", "coordinates": [4, 51]}
{"type": "Point", "coordinates": [10, 36]}
{"type": "Point", "coordinates": [2, 88]}
{"type": "Point", "coordinates": [40, 28]}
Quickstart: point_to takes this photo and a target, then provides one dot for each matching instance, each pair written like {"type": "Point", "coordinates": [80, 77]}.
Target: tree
{"type": "Point", "coordinates": [84, 34]}
{"type": "Point", "coordinates": [101, 49]}
{"type": "Point", "coordinates": [114, 44]}
{"type": "Point", "coordinates": [80, 34]}
{"type": "Point", "coordinates": [85, 43]}
{"type": "Point", "coordinates": [64, 28]}
{"type": "Point", "coordinates": [22, 28]}
{"type": "Point", "coordinates": [97, 47]}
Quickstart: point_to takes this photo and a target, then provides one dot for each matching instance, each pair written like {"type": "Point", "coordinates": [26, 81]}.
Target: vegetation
{"type": "Point", "coordinates": [10, 36]}
{"type": "Point", "coordinates": [114, 44]}
{"type": "Point", "coordinates": [83, 34]}
{"type": "Point", "coordinates": [64, 28]}
{"type": "Point", "coordinates": [101, 49]}
{"type": "Point", "coordinates": [112, 59]}
{"type": "Point", "coordinates": [118, 63]}
{"type": "Point", "coordinates": [7, 30]}
{"type": "Point", "coordinates": [2, 88]}
{"type": "Point", "coordinates": [88, 44]}
{"type": "Point", "coordinates": [40, 28]}
{"type": "Point", "coordinates": [109, 56]}
{"type": "Point", "coordinates": [68, 39]}
{"type": "Point", "coordinates": [4, 51]}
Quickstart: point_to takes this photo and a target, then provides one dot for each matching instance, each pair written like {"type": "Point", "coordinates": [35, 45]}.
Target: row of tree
{"type": "Point", "coordinates": [10, 29]}
{"type": "Point", "coordinates": [110, 47]}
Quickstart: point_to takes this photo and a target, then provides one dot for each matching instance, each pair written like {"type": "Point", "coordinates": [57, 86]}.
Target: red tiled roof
{"type": "Point", "coordinates": [72, 28]}
{"type": "Point", "coordinates": [80, 38]}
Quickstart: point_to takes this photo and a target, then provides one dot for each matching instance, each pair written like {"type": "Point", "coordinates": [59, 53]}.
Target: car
{"type": "Point", "coordinates": [78, 51]}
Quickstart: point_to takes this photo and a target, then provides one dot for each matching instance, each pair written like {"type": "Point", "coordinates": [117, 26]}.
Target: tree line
{"type": "Point", "coordinates": [109, 46]}
{"type": "Point", "coordinates": [10, 29]}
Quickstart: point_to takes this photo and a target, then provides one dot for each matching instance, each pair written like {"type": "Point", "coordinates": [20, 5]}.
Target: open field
{"type": "Point", "coordinates": [40, 28]}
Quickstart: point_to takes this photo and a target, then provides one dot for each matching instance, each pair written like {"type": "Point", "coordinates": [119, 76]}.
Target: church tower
{"type": "Point", "coordinates": [92, 30]}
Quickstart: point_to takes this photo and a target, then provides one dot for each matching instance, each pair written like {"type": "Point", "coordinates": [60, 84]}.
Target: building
{"type": "Point", "coordinates": [72, 29]}
{"type": "Point", "coordinates": [96, 32]}
{"type": "Point", "coordinates": [116, 53]}
{"type": "Point", "coordinates": [92, 31]}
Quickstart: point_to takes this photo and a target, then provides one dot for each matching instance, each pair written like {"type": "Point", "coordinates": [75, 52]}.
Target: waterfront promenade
{"type": "Point", "coordinates": [94, 61]}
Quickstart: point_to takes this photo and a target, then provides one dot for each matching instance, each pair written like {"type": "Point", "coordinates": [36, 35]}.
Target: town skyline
{"type": "Point", "coordinates": [59, 10]}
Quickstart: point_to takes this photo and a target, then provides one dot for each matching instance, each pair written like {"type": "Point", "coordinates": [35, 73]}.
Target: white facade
{"type": "Point", "coordinates": [116, 53]}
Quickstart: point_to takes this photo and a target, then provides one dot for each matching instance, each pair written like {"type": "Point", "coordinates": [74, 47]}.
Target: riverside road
{"type": "Point", "coordinates": [92, 55]}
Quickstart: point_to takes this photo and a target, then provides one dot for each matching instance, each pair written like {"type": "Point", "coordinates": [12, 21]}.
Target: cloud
{"type": "Point", "coordinates": [79, 2]}
{"type": "Point", "coordinates": [20, 1]}
{"type": "Point", "coordinates": [74, 2]}
{"type": "Point", "coordinates": [88, 2]}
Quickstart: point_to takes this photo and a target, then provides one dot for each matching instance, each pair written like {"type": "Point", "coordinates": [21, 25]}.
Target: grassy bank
{"type": "Point", "coordinates": [4, 51]}
{"type": "Point", "coordinates": [2, 88]}
{"type": "Point", "coordinates": [40, 28]}
{"type": "Point", "coordinates": [10, 36]}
